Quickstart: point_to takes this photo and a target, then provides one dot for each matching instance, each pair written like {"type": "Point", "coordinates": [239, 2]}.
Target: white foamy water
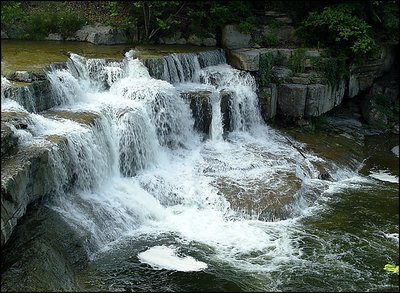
{"type": "Point", "coordinates": [164, 257]}
{"type": "Point", "coordinates": [384, 175]}
{"type": "Point", "coordinates": [141, 169]}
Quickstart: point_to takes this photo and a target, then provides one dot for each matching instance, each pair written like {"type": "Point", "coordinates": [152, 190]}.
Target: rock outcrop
{"type": "Point", "coordinates": [101, 35]}
{"type": "Point", "coordinates": [362, 76]}
{"type": "Point", "coordinates": [45, 248]}
{"type": "Point", "coordinates": [27, 173]}
{"type": "Point", "coordinates": [31, 89]}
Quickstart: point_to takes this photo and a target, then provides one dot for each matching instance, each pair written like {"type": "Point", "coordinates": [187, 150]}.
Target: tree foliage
{"type": "Point", "coordinates": [11, 13]}
{"type": "Point", "coordinates": [352, 29]}
{"type": "Point", "coordinates": [336, 27]}
{"type": "Point", "coordinates": [155, 17]}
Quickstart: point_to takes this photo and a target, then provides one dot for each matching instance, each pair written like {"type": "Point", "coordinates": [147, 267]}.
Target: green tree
{"type": "Point", "coordinates": [157, 16]}
{"type": "Point", "coordinates": [11, 13]}
{"type": "Point", "coordinates": [339, 28]}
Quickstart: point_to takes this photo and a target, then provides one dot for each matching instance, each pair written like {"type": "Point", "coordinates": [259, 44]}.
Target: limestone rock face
{"type": "Point", "coordinates": [323, 97]}
{"type": "Point", "coordinates": [362, 76]}
{"type": "Point", "coordinates": [155, 67]}
{"type": "Point", "coordinates": [32, 89]}
{"type": "Point", "coordinates": [27, 171]}
{"type": "Point", "coordinates": [200, 105]}
{"type": "Point", "coordinates": [268, 97]}
{"type": "Point", "coordinates": [34, 96]}
{"type": "Point", "coordinates": [292, 99]}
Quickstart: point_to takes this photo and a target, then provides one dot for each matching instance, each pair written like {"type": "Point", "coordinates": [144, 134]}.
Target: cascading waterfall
{"type": "Point", "coordinates": [141, 170]}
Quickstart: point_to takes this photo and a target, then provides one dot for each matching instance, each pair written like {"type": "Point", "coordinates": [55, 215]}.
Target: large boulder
{"type": "Point", "coordinates": [244, 59]}
{"type": "Point", "coordinates": [100, 34]}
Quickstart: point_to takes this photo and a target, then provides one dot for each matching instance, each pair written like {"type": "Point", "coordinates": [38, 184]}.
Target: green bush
{"type": "Point", "coordinates": [333, 69]}
{"type": "Point", "coordinates": [270, 37]}
{"type": "Point", "coordinates": [11, 14]}
{"type": "Point", "coordinates": [39, 24]}
{"type": "Point", "coordinates": [338, 28]}
{"type": "Point", "coordinates": [265, 68]}
{"type": "Point", "coordinates": [297, 60]}
{"type": "Point", "coordinates": [211, 16]}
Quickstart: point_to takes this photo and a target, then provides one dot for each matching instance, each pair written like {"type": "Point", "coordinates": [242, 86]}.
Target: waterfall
{"type": "Point", "coordinates": [216, 128]}
{"type": "Point", "coordinates": [22, 96]}
{"type": "Point", "coordinates": [138, 167]}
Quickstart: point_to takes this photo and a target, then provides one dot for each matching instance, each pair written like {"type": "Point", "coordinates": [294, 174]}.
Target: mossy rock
{"type": "Point", "coordinates": [85, 118]}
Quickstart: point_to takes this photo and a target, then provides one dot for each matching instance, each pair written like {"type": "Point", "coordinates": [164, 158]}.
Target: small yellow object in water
{"type": "Point", "coordinates": [391, 268]}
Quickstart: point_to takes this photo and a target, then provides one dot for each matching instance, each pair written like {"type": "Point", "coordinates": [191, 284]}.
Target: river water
{"type": "Point", "coordinates": [166, 208]}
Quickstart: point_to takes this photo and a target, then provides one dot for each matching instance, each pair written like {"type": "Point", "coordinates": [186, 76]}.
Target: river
{"type": "Point", "coordinates": [164, 207]}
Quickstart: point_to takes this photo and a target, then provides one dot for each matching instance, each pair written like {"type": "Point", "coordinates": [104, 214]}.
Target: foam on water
{"type": "Point", "coordinates": [384, 175]}
{"type": "Point", "coordinates": [164, 257]}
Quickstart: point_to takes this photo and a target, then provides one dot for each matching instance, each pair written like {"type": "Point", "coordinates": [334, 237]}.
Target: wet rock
{"type": "Point", "coordinates": [20, 120]}
{"type": "Point", "coordinates": [34, 96]}
{"type": "Point", "coordinates": [258, 200]}
{"type": "Point", "coordinates": [24, 179]}
{"type": "Point", "coordinates": [43, 254]}
{"type": "Point", "coordinates": [155, 67]}
{"type": "Point", "coordinates": [27, 175]}
{"type": "Point", "coordinates": [199, 102]}
{"type": "Point", "coordinates": [9, 142]}
{"type": "Point", "coordinates": [226, 97]}
{"type": "Point", "coordinates": [86, 118]}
